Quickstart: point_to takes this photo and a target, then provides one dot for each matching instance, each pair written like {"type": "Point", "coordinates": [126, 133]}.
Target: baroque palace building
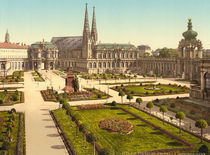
{"type": "Point", "coordinates": [85, 54]}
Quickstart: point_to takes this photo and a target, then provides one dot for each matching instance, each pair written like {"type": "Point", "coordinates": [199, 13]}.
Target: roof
{"type": "Point", "coordinates": [39, 44]}
{"type": "Point", "coordinates": [13, 46]}
{"type": "Point", "coordinates": [68, 43]}
{"type": "Point", "coordinates": [112, 46]}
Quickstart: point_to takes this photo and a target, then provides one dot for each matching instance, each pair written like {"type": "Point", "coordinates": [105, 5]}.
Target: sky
{"type": "Point", "coordinates": [157, 23]}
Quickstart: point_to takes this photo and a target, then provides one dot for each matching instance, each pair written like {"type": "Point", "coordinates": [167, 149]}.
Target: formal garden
{"type": "Point", "coordinates": [151, 89]}
{"type": "Point", "coordinates": [116, 128]}
{"type": "Point", "coordinates": [11, 97]}
{"type": "Point", "coordinates": [106, 76]}
{"type": "Point", "coordinates": [37, 76]}
{"type": "Point", "coordinates": [87, 94]}
{"type": "Point", "coordinates": [129, 83]}
{"type": "Point", "coordinates": [60, 73]}
{"type": "Point", "coordinates": [12, 133]}
{"type": "Point", "coordinates": [192, 110]}
{"type": "Point", "coordinates": [17, 76]}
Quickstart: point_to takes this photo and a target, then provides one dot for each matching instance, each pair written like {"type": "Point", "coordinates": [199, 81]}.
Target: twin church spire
{"type": "Point", "coordinates": [93, 35]}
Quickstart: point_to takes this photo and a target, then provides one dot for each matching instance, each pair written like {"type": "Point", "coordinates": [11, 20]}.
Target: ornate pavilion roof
{"type": "Point", "coordinates": [40, 44]}
{"type": "Point", "coordinates": [68, 43]}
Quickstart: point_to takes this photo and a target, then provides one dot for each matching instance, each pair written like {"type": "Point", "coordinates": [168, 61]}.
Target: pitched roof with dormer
{"type": "Point", "coordinates": [12, 46]}
{"type": "Point", "coordinates": [68, 43]}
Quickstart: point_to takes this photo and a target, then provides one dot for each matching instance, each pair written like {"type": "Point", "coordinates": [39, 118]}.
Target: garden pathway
{"type": "Point", "coordinates": [42, 137]}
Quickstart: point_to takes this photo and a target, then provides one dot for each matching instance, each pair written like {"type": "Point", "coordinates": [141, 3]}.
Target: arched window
{"type": "Point", "coordinates": [104, 55]}
{"type": "Point", "coordinates": [131, 55]}
{"type": "Point", "coordinates": [118, 64]}
{"type": "Point", "coordinates": [104, 64]}
{"type": "Point", "coordinates": [118, 55]}
{"type": "Point", "coordinates": [126, 64]}
{"type": "Point", "coordinates": [109, 55]}
{"type": "Point", "coordinates": [99, 64]}
{"type": "Point", "coordinates": [113, 64]}
{"type": "Point", "coordinates": [94, 65]}
{"type": "Point", "coordinates": [90, 65]}
{"type": "Point", "coordinates": [122, 64]}
{"type": "Point", "coordinates": [123, 55]}
{"type": "Point", "coordinates": [108, 64]}
{"type": "Point", "coordinates": [113, 55]}
{"type": "Point", "coordinates": [207, 80]}
{"type": "Point", "coordinates": [126, 55]}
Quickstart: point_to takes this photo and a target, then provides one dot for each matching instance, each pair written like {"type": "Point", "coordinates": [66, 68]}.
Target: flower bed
{"type": "Point", "coordinates": [93, 106]}
{"type": "Point", "coordinates": [116, 125]}
{"type": "Point", "coordinates": [11, 97]}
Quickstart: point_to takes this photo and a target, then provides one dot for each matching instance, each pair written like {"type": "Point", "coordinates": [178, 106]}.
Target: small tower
{"type": "Point", "coordinates": [94, 34]}
{"type": "Point", "coordinates": [7, 40]}
{"type": "Point", "coordinates": [190, 47]}
{"type": "Point", "coordinates": [86, 42]}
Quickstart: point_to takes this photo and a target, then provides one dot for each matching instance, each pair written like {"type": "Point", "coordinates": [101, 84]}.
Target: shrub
{"type": "Point", "coordinates": [173, 105]}
{"type": "Point", "coordinates": [158, 83]}
{"type": "Point", "coordinates": [116, 87]}
{"type": "Point", "coordinates": [122, 85]}
{"type": "Point", "coordinates": [94, 106]}
{"type": "Point", "coordinates": [5, 145]}
{"type": "Point", "coordinates": [99, 96]}
{"type": "Point", "coordinates": [192, 112]}
{"type": "Point", "coordinates": [140, 84]}
{"type": "Point", "coordinates": [147, 93]}
{"type": "Point", "coordinates": [203, 149]}
{"type": "Point", "coordinates": [113, 103]}
{"type": "Point", "coordinates": [169, 84]}
{"type": "Point", "coordinates": [5, 91]}
{"type": "Point", "coordinates": [156, 100]}
{"type": "Point", "coordinates": [104, 151]}
{"type": "Point", "coordinates": [170, 91]}
{"type": "Point", "coordinates": [14, 98]}
{"type": "Point", "coordinates": [177, 97]}
{"type": "Point", "coordinates": [132, 92]}
{"type": "Point", "coordinates": [1, 102]}
{"type": "Point", "coordinates": [13, 110]}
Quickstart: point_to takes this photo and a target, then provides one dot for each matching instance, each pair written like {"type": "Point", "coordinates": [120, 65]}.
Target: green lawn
{"type": "Point", "coordinates": [14, 133]}
{"type": "Point", "coordinates": [71, 132]}
{"type": "Point", "coordinates": [105, 76]}
{"type": "Point", "coordinates": [162, 89]}
{"type": "Point", "coordinates": [39, 79]}
{"type": "Point", "coordinates": [144, 137]}
{"type": "Point", "coordinates": [188, 137]}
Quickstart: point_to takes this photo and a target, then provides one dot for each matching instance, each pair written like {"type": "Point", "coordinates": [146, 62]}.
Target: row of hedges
{"type": "Point", "coordinates": [69, 146]}
{"type": "Point", "coordinates": [46, 98]}
{"type": "Point", "coordinates": [92, 106]}
{"type": "Point", "coordinates": [193, 134]}
{"type": "Point", "coordinates": [20, 148]}
{"type": "Point", "coordinates": [67, 107]}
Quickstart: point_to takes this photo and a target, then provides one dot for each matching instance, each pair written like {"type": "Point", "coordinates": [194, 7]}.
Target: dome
{"type": "Point", "coordinates": [190, 34]}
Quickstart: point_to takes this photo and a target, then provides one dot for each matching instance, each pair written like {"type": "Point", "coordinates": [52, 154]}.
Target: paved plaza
{"type": "Point", "coordinates": [41, 134]}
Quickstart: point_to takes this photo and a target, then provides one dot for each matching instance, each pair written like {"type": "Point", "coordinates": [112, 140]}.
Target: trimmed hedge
{"type": "Point", "coordinates": [20, 148]}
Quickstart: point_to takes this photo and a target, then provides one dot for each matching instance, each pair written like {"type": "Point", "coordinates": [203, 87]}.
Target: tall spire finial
{"type": "Point", "coordinates": [7, 39]}
{"type": "Point", "coordinates": [94, 34]}
{"type": "Point", "coordinates": [86, 22]}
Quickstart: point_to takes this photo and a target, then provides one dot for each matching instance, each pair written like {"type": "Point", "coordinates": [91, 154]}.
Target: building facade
{"type": "Point", "coordinates": [12, 56]}
{"type": "Point", "coordinates": [42, 55]}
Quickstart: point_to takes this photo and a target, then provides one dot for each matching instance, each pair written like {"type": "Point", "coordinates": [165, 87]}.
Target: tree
{"type": "Point", "coordinates": [163, 109]}
{"type": "Point", "coordinates": [150, 105]}
{"type": "Point", "coordinates": [75, 118]}
{"type": "Point", "coordinates": [93, 138]}
{"type": "Point", "coordinates": [62, 101]}
{"type": "Point", "coordinates": [113, 103]}
{"type": "Point", "coordinates": [180, 116]}
{"type": "Point", "coordinates": [121, 93]}
{"type": "Point", "coordinates": [76, 84]}
{"type": "Point", "coordinates": [203, 149]}
{"type": "Point", "coordinates": [139, 101]}
{"type": "Point", "coordinates": [84, 128]}
{"type": "Point", "coordinates": [129, 97]}
{"type": "Point", "coordinates": [168, 53]}
{"type": "Point", "coordinates": [201, 124]}
{"type": "Point", "coordinates": [105, 151]}
{"type": "Point", "coordinates": [135, 76]}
